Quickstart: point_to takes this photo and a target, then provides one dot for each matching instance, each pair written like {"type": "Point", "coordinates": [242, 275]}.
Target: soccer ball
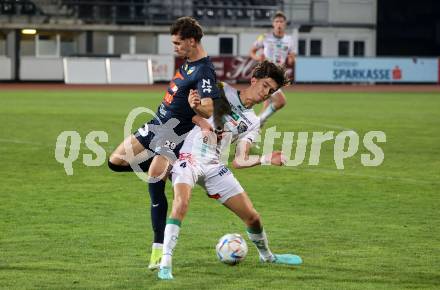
{"type": "Point", "coordinates": [231, 249]}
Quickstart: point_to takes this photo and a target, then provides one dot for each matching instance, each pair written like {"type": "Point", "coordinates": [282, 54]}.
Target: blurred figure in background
{"type": "Point", "coordinates": [279, 48]}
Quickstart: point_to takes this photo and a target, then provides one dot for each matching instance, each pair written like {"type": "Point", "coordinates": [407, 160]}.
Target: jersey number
{"type": "Point", "coordinates": [206, 85]}
{"type": "Point", "coordinates": [169, 144]}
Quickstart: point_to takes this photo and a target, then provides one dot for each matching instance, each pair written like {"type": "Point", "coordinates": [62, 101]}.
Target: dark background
{"type": "Point", "coordinates": [408, 28]}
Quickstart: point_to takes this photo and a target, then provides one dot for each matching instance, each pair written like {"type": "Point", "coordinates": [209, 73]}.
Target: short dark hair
{"type": "Point", "coordinates": [267, 69]}
{"type": "Point", "coordinates": [187, 27]}
{"type": "Point", "coordinates": [279, 14]}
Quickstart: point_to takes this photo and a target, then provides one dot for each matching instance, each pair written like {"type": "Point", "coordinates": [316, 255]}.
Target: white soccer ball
{"type": "Point", "coordinates": [231, 249]}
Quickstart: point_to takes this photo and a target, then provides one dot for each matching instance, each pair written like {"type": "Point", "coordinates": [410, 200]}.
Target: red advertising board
{"type": "Point", "coordinates": [230, 68]}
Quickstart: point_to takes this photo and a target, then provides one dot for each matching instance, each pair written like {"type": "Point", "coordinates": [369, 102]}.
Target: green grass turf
{"type": "Point", "coordinates": [357, 228]}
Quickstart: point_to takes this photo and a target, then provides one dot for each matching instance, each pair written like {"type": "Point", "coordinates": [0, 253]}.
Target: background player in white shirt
{"type": "Point", "coordinates": [277, 47]}
{"type": "Point", "coordinates": [200, 162]}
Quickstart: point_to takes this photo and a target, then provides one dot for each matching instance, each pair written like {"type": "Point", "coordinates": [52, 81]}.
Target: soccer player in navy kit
{"type": "Point", "coordinates": [197, 73]}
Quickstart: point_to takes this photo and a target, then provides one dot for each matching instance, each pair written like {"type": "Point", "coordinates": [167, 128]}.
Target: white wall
{"type": "Point", "coordinates": [41, 69]}
{"type": "Point", "coordinates": [209, 42]}
{"type": "Point", "coordinates": [85, 70]}
{"type": "Point", "coordinates": [5, 68]}
{"type": "Point", "coordinates": [146, 43]}
{"type": "Point", "coordinates": [330, 36]}
{"type": "Point", "coordinates": [299, 10]}
{"type": "Point", "coordinates": [164, 45]}
{"type": "Point", "coordinates": [245, 42]}
{"type": "Point", "coordinates": [107, 71]}
{"type": "Point", "coordinates": [353, 11]}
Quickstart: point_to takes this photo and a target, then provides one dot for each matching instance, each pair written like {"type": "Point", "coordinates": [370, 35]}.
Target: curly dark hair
{"type": "Point", "coordinates": [187, 27]}
{"type": "Point", "coordinates": [267, 69]}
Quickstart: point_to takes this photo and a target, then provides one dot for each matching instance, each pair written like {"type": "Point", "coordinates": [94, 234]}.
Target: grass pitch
{"type": "Point", "coordinates": [357, 228]}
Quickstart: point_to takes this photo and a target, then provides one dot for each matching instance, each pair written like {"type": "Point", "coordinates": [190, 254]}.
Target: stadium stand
{"type": "Point", "coordinates": [18, 7]}
{"type": "Point", "coordinates": [146, 12]}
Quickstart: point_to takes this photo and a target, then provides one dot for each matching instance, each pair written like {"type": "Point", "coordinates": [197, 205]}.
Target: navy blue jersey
{"type": "Point", "coordinates": [198, 75]}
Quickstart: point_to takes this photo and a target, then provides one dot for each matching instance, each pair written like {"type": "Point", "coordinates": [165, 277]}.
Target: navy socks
{"type": "Point", "coordinates": [159, 207]}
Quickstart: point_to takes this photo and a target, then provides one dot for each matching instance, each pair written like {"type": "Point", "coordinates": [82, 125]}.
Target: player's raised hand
{"type": "Point", "coordinates": [194, 99]}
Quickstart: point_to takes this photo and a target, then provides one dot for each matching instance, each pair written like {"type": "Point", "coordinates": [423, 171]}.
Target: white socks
{"type": "Point", "coordinates": [260, 241]}
{"type": "Point", "coordinates": [172, 230]}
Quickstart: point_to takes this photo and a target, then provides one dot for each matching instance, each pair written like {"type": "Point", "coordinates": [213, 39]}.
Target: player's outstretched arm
{"type": "Point", "coordinates": [242, 158]}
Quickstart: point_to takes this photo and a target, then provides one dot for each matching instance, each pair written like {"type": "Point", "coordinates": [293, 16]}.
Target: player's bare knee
{"type": "Point", "coordinates": [115, 160]}
{"type": "Point", "coordinates": [156, 172]}
{"type": "Point", "coordinates": [159, 167]}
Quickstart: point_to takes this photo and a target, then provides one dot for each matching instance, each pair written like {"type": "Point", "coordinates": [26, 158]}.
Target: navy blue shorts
{"type": "Point", "coordinates": [160, 139]}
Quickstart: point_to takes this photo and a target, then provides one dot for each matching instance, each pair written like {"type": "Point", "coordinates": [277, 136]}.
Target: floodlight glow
{"type": "Point", "coordinates": [29, 31]}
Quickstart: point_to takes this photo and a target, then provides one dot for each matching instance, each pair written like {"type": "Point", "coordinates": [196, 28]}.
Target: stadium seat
{"type": "Point", "coordinates": [8, 8]}
{"type": "Point", "coordinates": [28, 8]}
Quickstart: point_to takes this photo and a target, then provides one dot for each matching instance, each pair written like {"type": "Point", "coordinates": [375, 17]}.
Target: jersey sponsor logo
{"type": "Point", "coordinates": [178, 75]}
{"type": "Point", "coordinates": [162, 110]}
{"type": "Point", "coordinates": [170, 93]}
{"type": "Point", "coordinates": [242, 127]}
{"type": "Point", "coordinates": [239, 111]}
{"type": "Point", "coordinates": [143, 131]}
{"type": "Point", "coordinates": [206, 86]}
{"type": "Point", "coordinates": [172, 89]}
{"type": "Point", "coordinates": [190, 70]}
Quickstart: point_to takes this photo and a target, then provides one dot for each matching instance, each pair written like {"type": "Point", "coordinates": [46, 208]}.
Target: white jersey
{"type": "Point", "coordinates": [241, 124]}
{"type": "Point", "coordinates": [275, 49]}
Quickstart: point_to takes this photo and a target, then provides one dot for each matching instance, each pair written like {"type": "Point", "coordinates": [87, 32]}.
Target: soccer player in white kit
{"type": "Point", "coordinates": [200, 162]}
{"type": "Point", "coordinates": [277, 47]}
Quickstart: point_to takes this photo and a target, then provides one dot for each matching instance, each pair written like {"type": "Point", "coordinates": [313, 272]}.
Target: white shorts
{"type": "Point", "coordinates": [217, 179]}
